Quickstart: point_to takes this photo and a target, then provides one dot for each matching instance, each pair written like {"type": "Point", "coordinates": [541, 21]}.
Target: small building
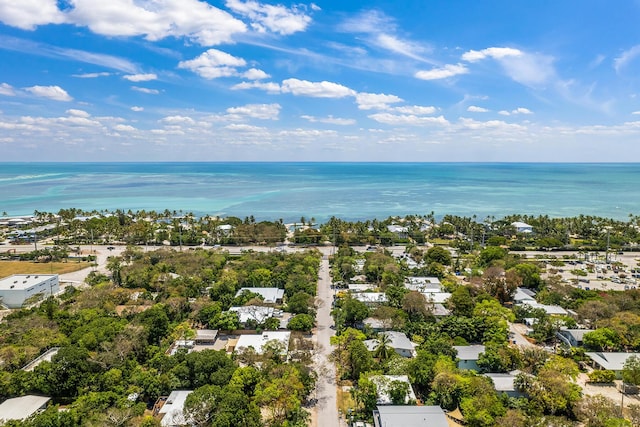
{"type": "Point", "coordinates": [376, 325]}
{"type": "Point", "coordinates": [371, 299]}
{"type": "Point", "coordinates": [383, 385]}
{"type": "Point", "coordinates": [255, 313]}
{"type": "Point", "coordinates": [170, 410]}
{"type": "Point", "coordinates": [258, 341]}
{"type": "Point", "coordinates": [399, 230]}
{"type": "Point", "coordinates": [524, 295]}
{"type": "Point", "coordinates": [399, 341]}
{"type": "Point", "coordinates": [438, 310]}
{"type": "Point", "coordinates": [423, 284]}
{"type": "Point", "coordinates": [572, 337]}
{"type": "Point", "coordinates": [522, 227]}
{"type": "Point", "coordinates": [44, 357]}
{"type": "Point", "coordinates": [610, 361]}
{"type": "Point", "coordinates": [269, 295]}
{"type": "Point", "coordinates": [468, 356]}
{"type": "Point", "coordinates": [21, 408]}
{"type": "Point", "coordinates": [551, 310]}
{"type": "Point", "coordinates": [436, 297]}
{"type": "Point", "coordinates": [206, 337]}
{"type": "Point", "coordinates": [409, 416]}
{"type": "Point", "coordinates": [360, 287]}
{"type": "Point", "coordinates": [505, 383]}
{"type": "Point", "coordinates": [16, 289]}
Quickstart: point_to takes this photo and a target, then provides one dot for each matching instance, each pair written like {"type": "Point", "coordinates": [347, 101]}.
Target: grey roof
{"type": "Point", "coordinates": [409, 416]}
{"type": "Point", "coordinates": [23, 407]}
{"type": "Point", "coordinates": [24, 281]}
{"type": "Point", "coordinates": [268, 294]}
{"type": "Point", "coordinates": [397, 340]}
{"type": "Point", "coordinates": [502, 382]}
{"type": "Point", "coordinates": [611, 361]}
{"type": "Point", "coordinates": [577, 334]}
{"type": "Point", "coordinates": [383, 382]}
{"type": "Point", "coordinates": [469, 352]}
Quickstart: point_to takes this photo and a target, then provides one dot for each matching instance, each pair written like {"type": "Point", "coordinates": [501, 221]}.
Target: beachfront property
{"type": "Point", "coordinates": [522, 227]}
{"type": "Point", "coordinates": [16, 289]}
{"type": "Point", "coordinates": [21, 408]}
{"type": "Point", "coordinates": [468, 356]}
{"type": "Point", "coordinates": [399, 341]}
{"type": "Point", "coordinates": [257, 342]}
{"type": "Point", "coordinates": [269, 295]}
{"type": "Point", "coordinates": [406, 415]}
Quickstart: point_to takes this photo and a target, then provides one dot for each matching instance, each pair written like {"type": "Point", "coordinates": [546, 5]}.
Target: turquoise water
{"type": "Point", "coordinates": [350, 191]}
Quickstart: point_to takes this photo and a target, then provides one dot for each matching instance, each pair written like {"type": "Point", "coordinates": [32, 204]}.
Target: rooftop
{"type": "Point", "coordinates": [23, 407]}
{"type": "Point", "coordinates": [409, 416]}
{"type": "Point", "coordinates": [469, 352]}
{"type": "Point", "coordinates": [270, 295]}
{"type": "Point", "coordinates": [258, 341]}
{"type": "Point", "coordinates": [23, 281]}
{"type": "Point", "coordinates": [611, 361]}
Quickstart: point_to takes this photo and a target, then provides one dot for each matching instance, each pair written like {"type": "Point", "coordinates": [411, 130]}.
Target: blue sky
{"type": "Point", "coordinates": [236, 80]}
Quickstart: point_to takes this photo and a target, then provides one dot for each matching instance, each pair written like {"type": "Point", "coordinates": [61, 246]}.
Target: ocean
{"type": "Point", "coordinates": [350, 191]}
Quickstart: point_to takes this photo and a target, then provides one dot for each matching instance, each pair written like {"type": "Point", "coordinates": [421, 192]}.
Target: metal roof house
{"type": "Point", "coordinates": [269, 295]}
{"type": "Point", "coordinates": [409, 416]}
{"type": "Point", "coordinates": [397, 340]}
{"type": "Point", "coordinates": [21, 408]}
{"type": "Point", "coordinates": [468, 356]}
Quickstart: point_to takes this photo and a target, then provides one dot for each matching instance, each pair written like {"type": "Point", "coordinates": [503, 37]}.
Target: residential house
{"type": "Point", "coordinates": [468, 356]}
{"type": "Point", "coordinates": [21, 408]}
{"type": "Point", "coordinates": [383, 385]}
{"type": "Point", "coordinates": [360, 287]}
{"type": "Point", "coordinates": [505, 383]}
{"type": "Point", "coordinates": [522, 227]}
{"type": "Point", "coordinates": [409, 416]}
{"type": "Point", "coordinates": [610, 361]}
{"type": "Point", "coordinates": [399, 341]}
{"type": "Point", "coordinates": [170, 409]}
{"type": "Point", "coordinates": [436, 297]}
{"type": "Point", "coordinates": [572, 337]}
{"type": "Point", "coordinates": [423, 284]}
{"type": "Point", "coordinates": [257, 342]}
{"type": "Point", "coordinates": [269, 295]}
{"type": "Point", "coordinates": [399, 230]}
{"type": "Point", "coordinates": [371, 299]}
{"type": "Point", "coordinates": [255, 313]}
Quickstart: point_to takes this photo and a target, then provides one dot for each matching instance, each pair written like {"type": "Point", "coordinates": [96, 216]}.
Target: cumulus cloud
{"type": "Point", "coordinates": [91, 75]}
{"type": "Point", "coordinates": [28, 14]}
{"type": "Point", "coordinates": [417, 110]}
{"type": "Point", "coordinates": [78, 113]}
{"type": "Point", "coordinates": [256, 111]}
{"type": "Point", "coordinates": [274, 18]}
{"type": "Point", "coordinates": [476, 109]}
{"type": "Point", "coordinates": [491, 52]}
{"type": "Point", "coordinates": [519, 110]}
{"type": "Point", "coordinates": [237, 127]}
{"type": "Point", "coordinates": [137, 109]}
{"type": "Point", "coordinates": [178, 120]}
{"type": "Point", "coordinates": [255, 74]}
{"type": "Point", "coordinates": [490, 124]}
{"type": "Point", "coordinates": [140, 77]}
{"type": "Point", "coordinates": [322, 89]}
{"type": "Point", "coordinates": [626, 57]}
{"type": "Point", "coordinates": [124, 128]}
{"type": "Point", "coordinates": [329, 120]}
{"type": "Point", "coordinates": [7, 90]}
{"type": "Point", "coordinates": [449, 70]}
{"type": "Point", "coordinates": [55, 93]}
{"type": "Point", "coordinates": [213, 64]}
{"type": "Point", "coordinates": [408, 119]}
{"type": "Point", "coordinates": [145, 90]}
{"type": "Point", "coordinates": [636, 112]}
{"type": "Point", "coordinates": [378, 101]}
{"type": "Point", "coordinates": [269, 87]}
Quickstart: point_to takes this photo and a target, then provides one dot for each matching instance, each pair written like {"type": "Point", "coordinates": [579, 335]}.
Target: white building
{"type": "Point", "coordinates": [397, 340]}
{"type": "Point", "coordinates": [16, 289]}
{"type": "Point", "coordinates": [21, 408]}
{"type": "Point", "coordinates": [269, 295]}
{"type": "Point", "coordinates": [258, 341]}
{"type": "Point", "coordinates": [172, 411]}
{"type": "Point", "coordinates": [522, 227]}
{"type": "Point", "coordinates": [257, 313]}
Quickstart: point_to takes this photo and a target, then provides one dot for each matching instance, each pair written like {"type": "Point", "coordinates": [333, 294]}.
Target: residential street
{"type": "Point", "coordinates": [326, 411]}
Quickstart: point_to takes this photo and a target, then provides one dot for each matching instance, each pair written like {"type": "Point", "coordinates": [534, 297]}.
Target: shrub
{"type": "Point", "coordinates": [602, 376]}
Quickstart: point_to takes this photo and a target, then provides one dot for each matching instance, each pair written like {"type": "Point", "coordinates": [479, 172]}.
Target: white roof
{"type": "Point", "coordinates": [397, 228]}
{"type": "Point", "coordinates": [397, 340]}
{"type": "Point", "coordinates": [549, 309]}
{"type": "Point", "coordinates": [436, 297]}
{"type": "Point", "coordinates": [469, 352]}
{"type": "Point", "coordinates": [611, 361]}
{"type": "Point", "coordinates": [502, 382]}
{"type": "Point", "coordinates": [366, 297]}
{"type": "Point", "coordinates": [360, 287]}
{"type": "Point", "coordinates": [20, 408]}
{"type": "Point", "coordinates": [173, 409]}
{"type": "Point", "coordinates": [253, 312]}
{"type": "Point", "coordinates": [383, 382]}
{"type": "Point", "coordinates": [519, 224]}
{"type": "Point", "coordinates": [409, 416]}
{"type": "Point", "coordinates": [258, 341]}
{"type": "Point", "coordinates": [23, 281]}
{"type": "Point", "coordinates": [270, 295]}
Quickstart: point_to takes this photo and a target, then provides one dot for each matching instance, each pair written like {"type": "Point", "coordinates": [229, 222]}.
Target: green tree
{"type": "Point", "coordinates": [602, 339]}
{"type": "Point", "coordinates": [301, 322]}
{"type": "Point", "coordinates": [631, 370]}
{"type": "Point", "coordinates": [437, 254]}
{"type": "Point", "coordinates": [383, 350]}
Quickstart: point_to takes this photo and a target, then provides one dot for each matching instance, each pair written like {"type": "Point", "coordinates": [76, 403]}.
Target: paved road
{"type": "Point", "coordinates": [326, 410]}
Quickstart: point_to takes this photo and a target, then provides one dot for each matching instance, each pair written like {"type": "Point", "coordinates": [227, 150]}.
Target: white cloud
{"type": "Point", "coordinates": [636, 112]}
{"type": "Point", "coordinates": [78, 113]}
{"type": "Point", "coordinates": [525, 68]}
{"type": "Point", "coordinates": [28, 14]}
{"type": "Point", "coordinates": [145, 90]}
{"type": "Point", "coordinates": [322, 89]}
{"type": "Point", "coordinates": [155, 20]}
{"type": "Point", "coordinates": [244, 128]}
{"type": "Point", "coordinates": [329, 120]}
{"type": "Point", "coordinates": [213, 64]}
{"type": "Point", "coordinates": [255, 74]}
{"type": "Point", "coordinates": [256, 111]}
{"type": "Point", "coordinates": [476, 109]}
{"type": "Point", "coordinates": [7, 90]}
{"type": "Point", "coordinates": [55, 93]}
{"type": "Point", "coordinates": [408, 119]}
{"type": "Point", "coordinates": [490, 124]}
{"type": "Point", "coordinates": [449, 70]}
{"type": "Point", "coordinates": [519, 110]}
{"type": "Point", "coordinates": [178, 120]}
{"type": "Point", "coordinates": [491, 52]}
{"type": "Point", "coordinates": [626, 57]}
{"type": "Point", "coordinates": [137, 109]}
{"type": "Point", "coordinates": [268, 87]}
{"type": "Point", "coordinates": [378, 101]}
{"type": "Point", "coordinates": [277, 19]}
{"type": "Point", "coordinates": [403, 47]}
{"type": "Point", "coordinates": [417, 110]}
{"type": "Point", "coordinates": [124, 128]}
{"type": "Point", "coordinates": [91, 75]}
{"type": "Point", "coordinates": [140, 77]}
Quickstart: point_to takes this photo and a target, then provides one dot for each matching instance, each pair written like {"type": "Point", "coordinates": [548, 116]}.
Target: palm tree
{"type": "Point", "coordinates": [383, 350]}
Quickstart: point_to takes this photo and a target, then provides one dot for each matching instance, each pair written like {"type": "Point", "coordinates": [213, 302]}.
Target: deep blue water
{"type": "Point", "coordinates": [349, 191]}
